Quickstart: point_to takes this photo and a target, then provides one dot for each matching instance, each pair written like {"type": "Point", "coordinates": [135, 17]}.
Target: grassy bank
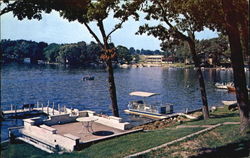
{"type": "Point", "coordinates": [210, 142]}
{"type": "Point", "coordinates": [117, 147]}
{"type": "Point", "coordinates": [222, 142]}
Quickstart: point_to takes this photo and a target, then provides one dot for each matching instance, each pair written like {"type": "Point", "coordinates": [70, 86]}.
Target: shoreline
{"type": "Point", "coordinates": [137, 65]}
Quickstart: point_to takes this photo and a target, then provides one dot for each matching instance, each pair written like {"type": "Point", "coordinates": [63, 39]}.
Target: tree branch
{"type": "Point", "coordinates": [93, 34]}
{"type": "Point", "coordinates": [8, 8]}
{"type": "Point", "coordinates": [116, 28]}
{"type": "Point", "coordinates": [101, 27]}
{"type": "Point", "coordinates": [178, 33]}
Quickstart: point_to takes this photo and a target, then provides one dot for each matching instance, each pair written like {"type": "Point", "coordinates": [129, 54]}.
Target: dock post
{"type": "Point", "coordinates": [48, 108]}
{"type": "Point", "coordinates": [37, 105]}
{"type": "Point", "coordinates": [29, 108]}
{"type": "Point", "coordinates": [15, 110]}
{"type": "Point", "coordinates": [59, 109]}
{"type": "Point", "coordinates": [42, 107]}
{"type": "Point", "coordinates": [11, 107]}
{"type": "Point", "coordinates": [64, 109]}
{"type": "Point", "coordinates": [53, 107]}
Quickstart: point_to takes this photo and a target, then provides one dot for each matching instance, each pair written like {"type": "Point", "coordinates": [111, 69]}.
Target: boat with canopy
{"type": "Point", "coordinates": [140, 107]}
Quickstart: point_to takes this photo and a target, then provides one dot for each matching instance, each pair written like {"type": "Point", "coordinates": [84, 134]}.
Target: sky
{"type": "Point", "coordinates": [54, 29]}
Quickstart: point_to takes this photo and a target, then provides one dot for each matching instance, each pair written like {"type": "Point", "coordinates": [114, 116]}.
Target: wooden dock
{"type": "Point", "coordinates": [158, 116]}
{"type": "Point", "coordinates": [34, 111]}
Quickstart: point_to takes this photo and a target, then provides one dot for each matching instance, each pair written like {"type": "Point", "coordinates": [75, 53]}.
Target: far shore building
{"type": "Point", "coordinates": [154, 59]}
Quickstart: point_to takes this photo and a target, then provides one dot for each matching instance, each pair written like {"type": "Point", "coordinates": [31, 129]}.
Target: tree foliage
{"type": "Point", "coordinates": [20, 49]}
{"type": "Point", "coordinates": [231, 17]}
{"type": "Point", "coordinates": [174, 27]}
{"type": "Point", "coordinates": [83, 11]}
{"type": "Point", "coordinates": [123, 54]}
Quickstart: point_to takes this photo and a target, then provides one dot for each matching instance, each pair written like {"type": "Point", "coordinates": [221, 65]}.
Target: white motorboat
{"type": "Point", "coordinates": [223, 85]}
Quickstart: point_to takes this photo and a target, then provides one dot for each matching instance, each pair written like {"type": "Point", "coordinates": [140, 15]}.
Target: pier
{"type": "Point", "coordinates": [37, 109]}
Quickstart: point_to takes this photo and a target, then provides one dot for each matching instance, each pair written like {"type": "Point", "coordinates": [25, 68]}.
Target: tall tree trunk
{"type": "Point", "coordinates": [112, 88]}
{"type": "Point", "coordinates": [201, 79]}
{"type": "Point", "coordinates": [237, 64]}
{"type": "Point", "coordinates": [239, 79]}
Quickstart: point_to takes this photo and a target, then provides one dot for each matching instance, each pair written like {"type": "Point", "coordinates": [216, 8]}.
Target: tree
{"type": "Point", "coordinates": [230, 17]}
{"type": "Point", "coordinates": [20, 49]}
{"type": "Point", "coordinates": [123, 54]}
{"type": "Point", "coordinates": [132, 50]}
{"type": "Point", "coordinates": [215, 48]}
{"type": "Point", "coordinates": [84, 11]}
{"type": "Point", "coordinates": [171, 30]}
{"type": "Point", "coordinates": [69, 54]}
{"type": "Point", "coordinates": [51, 52]}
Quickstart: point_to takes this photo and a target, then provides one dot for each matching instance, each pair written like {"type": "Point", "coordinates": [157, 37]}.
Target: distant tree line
{"type": "Point", "coordinates": [85, 54]}
{"type": "Point", "coordinates": [79, 53]}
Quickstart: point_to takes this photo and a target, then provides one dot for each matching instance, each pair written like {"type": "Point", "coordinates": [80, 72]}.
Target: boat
{"type": "Point", "coordinates": [229, 102]}
{"type": "Point", "coordinates": [233, 89]}
{"type": "Point", "coordinates": [85, 78]}
{"type": "Point", "coordinates": [223, 85]}
{"type": "Point", "coordinates": [142, 108]}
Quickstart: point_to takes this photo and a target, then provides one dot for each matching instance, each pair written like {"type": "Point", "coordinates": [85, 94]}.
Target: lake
{"type": "Point", "coordinates": [26, 83]}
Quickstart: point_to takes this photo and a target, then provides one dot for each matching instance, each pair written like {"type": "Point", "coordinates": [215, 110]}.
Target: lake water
{"type": "Point", "coordinates": [31, 83]}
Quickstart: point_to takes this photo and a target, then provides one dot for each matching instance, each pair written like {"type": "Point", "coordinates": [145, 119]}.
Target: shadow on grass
{"type": "Point", "coordinates": [233, 150]}
{"type": "Point", "coordinates": [224, 115]}
{"type": "Point", "coordinates": [214, 118]}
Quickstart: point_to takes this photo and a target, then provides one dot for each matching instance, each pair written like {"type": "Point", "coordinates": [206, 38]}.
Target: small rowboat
{"type": "Point", "coordinates": [85, 78]}
{"type": "Point", "coordinates": [233, 89]}
{"type": "Point", "coordinates": [223, 85]}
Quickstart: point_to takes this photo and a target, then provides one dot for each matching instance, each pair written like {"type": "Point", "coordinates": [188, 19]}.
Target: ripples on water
{"type": "Point", "coordinates": [31, 83]}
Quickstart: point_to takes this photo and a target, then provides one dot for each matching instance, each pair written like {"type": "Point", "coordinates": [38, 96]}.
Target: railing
{"type": "Point", "coordinates": [14, 132]}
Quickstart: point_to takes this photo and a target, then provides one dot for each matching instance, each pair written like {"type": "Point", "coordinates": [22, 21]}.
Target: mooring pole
{"type": "Point", "coordinates": [48, 108]}
{"type": "Point", "coordinates": [53, 106]}
{"type": "Point", "coordinates": [37, 105]}
{"type": "Point", "coordinates": [59, 109]}
{"type": "Point", "coordinates": [11, 107]}
{"type": "Point", "coordinates": [15, 110]}
{"type": "Point", "coordinates": [42, 107]}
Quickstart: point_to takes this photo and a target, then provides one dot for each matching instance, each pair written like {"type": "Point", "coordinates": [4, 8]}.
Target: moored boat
{"type": "Point", "coordinates": [223, 85]}
{"type": "Point", "coordinates": [85, 78]}
{"type": "Point", "coordinates": [148, 110]}
{"type": "Point", "coordinates": [229, 102]}
{"type": "Point", "coordinates": [231, 88]}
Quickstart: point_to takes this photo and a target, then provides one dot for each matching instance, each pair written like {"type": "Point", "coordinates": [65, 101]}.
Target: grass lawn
{"type": "Point", "coordinates": [215, 141]}
{"type": "Point", "coordinates": [117, 147]}
{"type": "Point", "coordinates": [219, 116]}
{"type": "Point", "coordinates": [222, 142]}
